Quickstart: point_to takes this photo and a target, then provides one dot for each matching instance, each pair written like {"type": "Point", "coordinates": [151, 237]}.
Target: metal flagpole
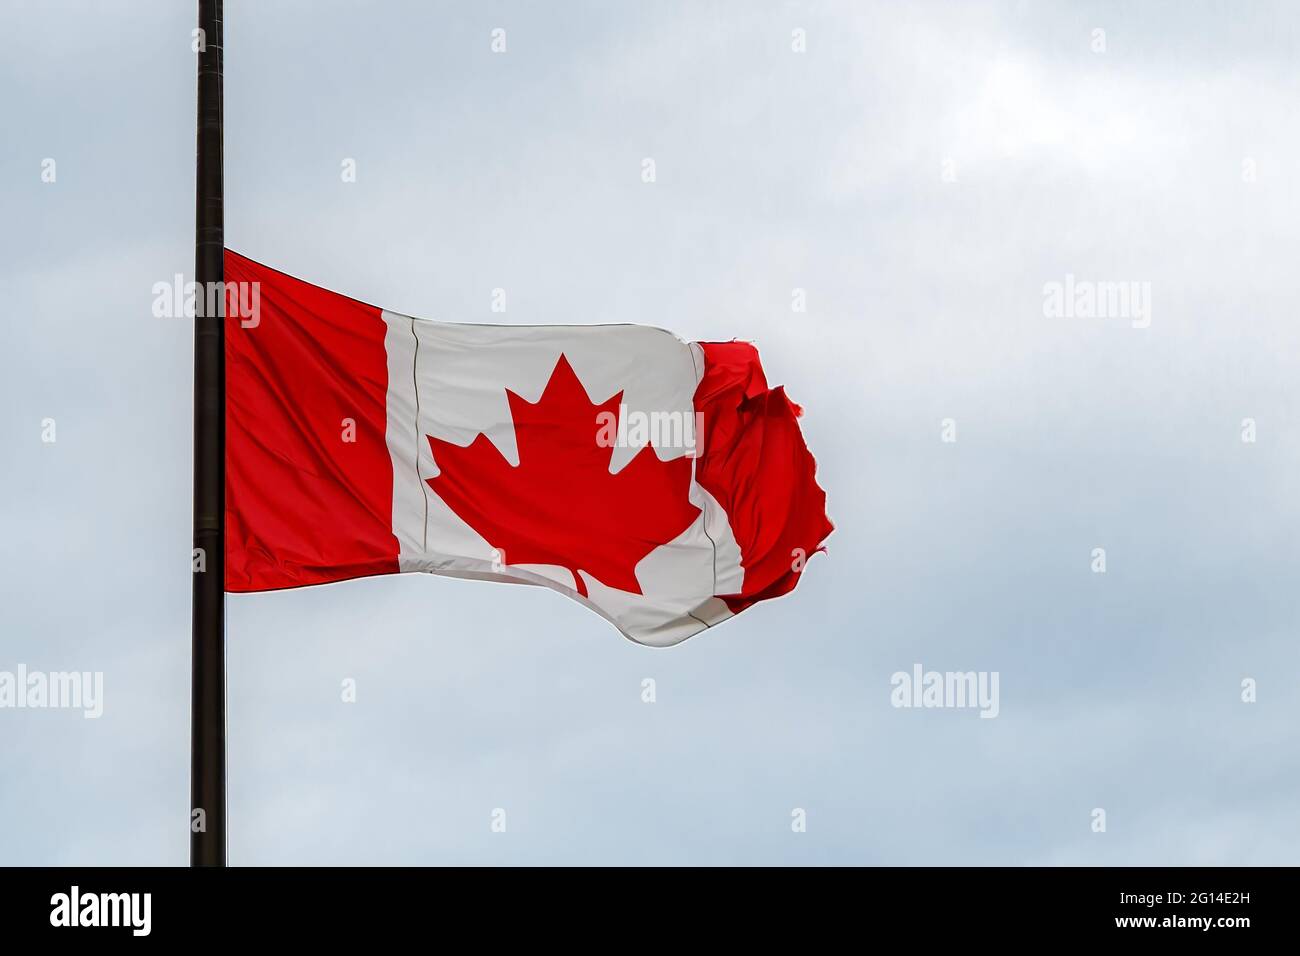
{"type": "Point", "coordinates": [208, 662]}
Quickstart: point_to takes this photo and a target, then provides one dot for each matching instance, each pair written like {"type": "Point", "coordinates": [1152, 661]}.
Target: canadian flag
{"type": "Point", "coordinates": [659, 482]}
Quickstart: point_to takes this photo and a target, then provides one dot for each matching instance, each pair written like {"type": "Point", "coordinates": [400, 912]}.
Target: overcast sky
{"type": "Point", "coordinates": [922, 170]}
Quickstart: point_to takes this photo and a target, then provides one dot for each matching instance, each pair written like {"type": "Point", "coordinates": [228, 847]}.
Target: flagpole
{"type": "Point", "coordinates": [208, 661]}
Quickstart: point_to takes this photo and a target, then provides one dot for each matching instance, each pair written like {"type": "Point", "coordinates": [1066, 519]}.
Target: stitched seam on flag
{"type": "Point", "coordinates": [704, 525]}
{"type": "Point", "coordinates": [415, 382]}
{"type": "Point", "coordinates": [704, 521]}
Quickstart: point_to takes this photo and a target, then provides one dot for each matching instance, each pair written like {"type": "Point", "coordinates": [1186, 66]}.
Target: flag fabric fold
{"type": "Point", "coordinates": [660, 482]}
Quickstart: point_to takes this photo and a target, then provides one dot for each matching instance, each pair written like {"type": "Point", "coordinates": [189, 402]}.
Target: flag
{"type": "Point", "coordinates": [662, 483]}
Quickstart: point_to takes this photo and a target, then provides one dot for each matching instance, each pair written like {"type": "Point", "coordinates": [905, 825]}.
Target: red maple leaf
{"type": "Point", "coordinates": [560, 505]}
